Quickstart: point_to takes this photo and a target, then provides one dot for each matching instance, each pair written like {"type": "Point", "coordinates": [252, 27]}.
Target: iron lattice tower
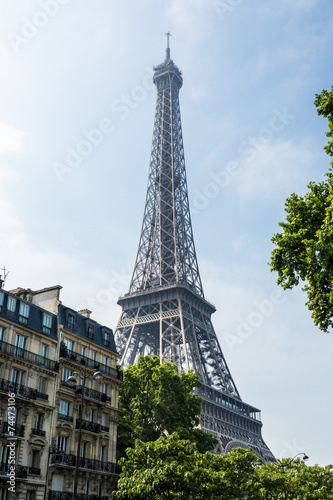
{"type": "Point", "coordinates": [165, 312]}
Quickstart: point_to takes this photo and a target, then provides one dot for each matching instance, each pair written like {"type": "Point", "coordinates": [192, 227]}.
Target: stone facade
{"type": "Point", "coordinates": [42, 344]}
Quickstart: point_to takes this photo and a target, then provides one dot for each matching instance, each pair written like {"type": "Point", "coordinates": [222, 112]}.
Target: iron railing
{"type": "Point", "coordinates": [7, 428]}
{"type": "Point", "coordinates": [92, 394]}
{"type": "Point", "coordinates": [67, 418]}
{"type": "Point", "coordinates": [31, 357]}
{"type": "Point", "coordinates": [21, 471]}
{"type": "Point", "coordinates": [66, 495]}
{"type": "Point", "coordinates": [38, 432]}
{"type": "Point", "coordinates": [89, 362]}
{"type": "Point", "coordinates": [18, 389]}
{"type": "Point", "coordinates": [69, 460]}
{"type": "Point", "coordinates": [87, 425]}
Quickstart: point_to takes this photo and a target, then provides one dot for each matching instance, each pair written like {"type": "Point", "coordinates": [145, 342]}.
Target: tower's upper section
{"type": "Point", "coordinates": [166, 254]}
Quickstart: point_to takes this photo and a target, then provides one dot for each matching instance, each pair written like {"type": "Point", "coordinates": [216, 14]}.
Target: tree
{"type": "Point", "coordinates": [171, 468]}
{"type": "Point", "coordinates": [305, 247]}
{"type": "Point", "coordinates": [155, 400]}
{"type": "Point", "coordinates": [294, 480]}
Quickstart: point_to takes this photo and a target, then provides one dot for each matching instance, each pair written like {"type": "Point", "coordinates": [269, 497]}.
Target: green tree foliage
{"type": "Point", "coordinates": [171, 468]}
{"type": "Point", "coordinates": [155, 400]}
{"type": "Point", "coordinates": [304, 249]}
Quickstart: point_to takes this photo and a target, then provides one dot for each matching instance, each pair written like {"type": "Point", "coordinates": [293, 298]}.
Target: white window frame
{"type": "Point", "coordinates": [11, 304]}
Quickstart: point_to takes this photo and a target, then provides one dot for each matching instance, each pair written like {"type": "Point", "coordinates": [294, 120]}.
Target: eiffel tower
{"type": "Point", "coordinates": [165, 312]}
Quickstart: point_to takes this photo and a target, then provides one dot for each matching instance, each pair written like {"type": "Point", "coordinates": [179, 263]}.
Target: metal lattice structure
{"type": "Point", "coordinates": [165, 312]}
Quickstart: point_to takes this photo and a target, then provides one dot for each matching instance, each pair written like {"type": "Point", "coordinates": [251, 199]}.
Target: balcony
{"type": "Point", "coordinates": [30, 357]}
{"type": "Point", "coordinates": [89, 362]}
{"type": "Point", "coordinates": [21, 471]}
{"type": "Point", "coordinates": [38, 432]}
{"type": "Point", "coordinates": [66, 418]}
{"type": "Point", "coordinates": [86, 425]}
{"type": "Point", "coordinates": [66, 495]}
{"type": "Point", "coordinates": [19, 389]}
{"type": "Point", "coordinates": [69, 460]}
{"type": "Point", "coordinates": [22, 391]}
{"type": "Point", "coordinates": [88, 393]}
{"type": "Point", "coordinates": [13, 430]}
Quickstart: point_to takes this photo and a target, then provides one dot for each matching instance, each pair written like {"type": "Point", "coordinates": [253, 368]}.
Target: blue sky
{"type": "Point", "coordinates": [76, 121]}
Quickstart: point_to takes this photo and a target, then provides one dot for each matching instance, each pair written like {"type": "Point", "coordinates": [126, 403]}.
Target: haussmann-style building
{"type": "Point", "coordinates": [52, 357]}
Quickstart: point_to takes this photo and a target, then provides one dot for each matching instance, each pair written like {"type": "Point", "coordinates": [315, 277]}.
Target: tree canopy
{"type": "Point", "coordinates": [304, 249]}
{"type": "Point", "coordinates": [155, 400]}
{"type": "Point", "coordinates": [171, 468]}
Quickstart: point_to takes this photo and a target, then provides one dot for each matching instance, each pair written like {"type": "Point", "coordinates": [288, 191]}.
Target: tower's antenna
{"type": "Point", "coordinates": [5, 274]}
{"type": "Point", "coordinates": [168, 34]}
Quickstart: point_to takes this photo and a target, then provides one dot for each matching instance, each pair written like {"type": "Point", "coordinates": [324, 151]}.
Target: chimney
{"type": "Point", "coordinates": [85, 312]}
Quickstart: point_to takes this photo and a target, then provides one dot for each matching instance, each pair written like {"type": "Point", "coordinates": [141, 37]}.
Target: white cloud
{"type": "Point", "coordinates": [11, 138]}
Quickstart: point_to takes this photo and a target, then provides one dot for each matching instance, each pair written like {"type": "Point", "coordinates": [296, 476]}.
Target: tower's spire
{"type": "Point", "coordinates": [168, 34]}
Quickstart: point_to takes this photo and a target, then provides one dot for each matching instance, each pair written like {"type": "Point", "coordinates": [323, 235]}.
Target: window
{"type": "Point", "coordinates": [35, 456]}
{"type": "Point", "coordinates": [5, 494]}
{"type": "Point", "coordinates": [83, 353]}
{"type": "Point", "coordinates": [42, 385]}
{"type": "Point", "coordinates": [85, 449]}
{"type": "Point", "coordinates": [2, 333]}
{"type": "Point", "coordinates": [20, 343]}
{"type": "Point", "coordinates": [62, 444]}
{"type": "Point", "coordinates": [44, 353]}
{"type": "Point", "coordinates": [101, 489]}
{"type": "Point", "coordinates": [88, 487]}
{"type": "Point", "coordinates": [31, 495]}
{"type": "Point", "coordinates": [4, 452]}
{"type": "Point", "coordinates": [65, 408]}
{"type": "Point", "coordinates": [105, 419]}
{"type": "Point", "coordinates": [93, 415]}
{"type": "Point", "coordinates": [106, 389]}
{"type": "Point", "coordinates": [103, 453]}
{"type": "Point", "coordinates": [47, 323]}
{"type": "Point", "coordinates": [106, 360]}
{"type": "Point", "coordinates": [65, 374]}
{"type": "Point", "coordinates": [95, 356]}
{"type": "Point", "coordinates": [1, 300]}
{"type": "Point", "coordinates": [11, 304]}
{"type": "Point", "coordinates": [24, 312]}
{"type": "Point", "coordinates": [39, 421]}
{"type": "Point", "coordinates": [90, 331]}
{"type": "Point", "coordinates": [106, 336]}
{"type": "Point", "coordinates": [70, 321]}
{"type": "Point", "coordinates": [17, 376]}
{"type": "Point", "coordinates": [70, 344]}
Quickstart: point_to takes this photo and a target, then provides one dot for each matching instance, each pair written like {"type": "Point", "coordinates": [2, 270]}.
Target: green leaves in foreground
{"type": "Point", "coordinates": [155, 400]}
{"type": "Point", "coordinates": [304, 249]}
{"type": "Point", "coordinates": [171, 468]}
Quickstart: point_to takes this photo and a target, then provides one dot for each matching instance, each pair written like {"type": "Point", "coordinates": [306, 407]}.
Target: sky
{"type": "Point", "coordinates": [76, 119]}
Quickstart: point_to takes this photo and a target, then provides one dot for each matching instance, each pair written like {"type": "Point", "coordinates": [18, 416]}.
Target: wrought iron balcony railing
{"type": "Point", "coordinates": [31, 357]}
{"type": "Point", "coordinates": [86, 425]}
{"type": "Point", "coordinates": [67, 418]}
{"type": "Point", "coordinates": [88, 393]}
{"type": "Point", "coordinates": [69, 460]}
{"type": "Point", "coordinates": [16, 429]}
{"type": "Point", "coordinates": [18, 389]}
{"type": "Point", "coordinates": [38, 432]}
{"type": "Point", "coordinates": [66, 495]}
{"type": "Point", "coordinates": [89, 362]}
{"type": "Point", "coordinates": [21, 471]}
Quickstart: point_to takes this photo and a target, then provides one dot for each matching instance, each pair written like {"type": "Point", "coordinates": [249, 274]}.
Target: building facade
{"type": "Point", "coordinates": [43, 344]}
